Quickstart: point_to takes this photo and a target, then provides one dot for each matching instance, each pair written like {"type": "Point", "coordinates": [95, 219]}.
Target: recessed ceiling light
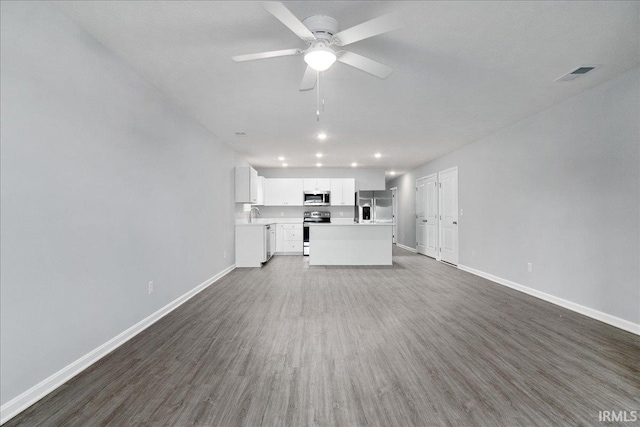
{"type": "Point", "coordinates": [281, 158]}
{"type": "Point", "coordinates": [322, 136]}
{"type": "Point", "coordinates": [319, 155]}
{"type": "Point", "coordinates": [354, 164]}
{"type": "Point", "coordinates": [377, 155]}
{"type": "Point", "coordinates": [284, 165]}
{"type": "Point", "coordinates": [318, 164]}
{"type": "Point", "coordinates": [392, 173]}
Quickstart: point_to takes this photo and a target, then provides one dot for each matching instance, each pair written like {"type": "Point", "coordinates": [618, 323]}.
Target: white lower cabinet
{"type": "Point", "coordinates": [279, 238]}
{"type": "Point", "coordinates": [289, 239]}
{"type": "Point", "coordinates": [253, 244]}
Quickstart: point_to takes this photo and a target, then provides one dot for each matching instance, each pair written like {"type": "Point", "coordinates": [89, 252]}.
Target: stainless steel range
{"type": "Point", "coordinates": [311, 217]}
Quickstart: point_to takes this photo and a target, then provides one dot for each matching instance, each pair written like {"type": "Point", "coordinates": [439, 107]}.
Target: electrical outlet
{"type": "Point", "coordinates": [530, 267]}
{"type": "Point", "coordinates": [341, 213]}
{"type": "Point", "coordinates": [461, 211]}
{"type": "Point", "coordinates": [150, 287]}
{"type": "Point", "coordinates": [225, 254]}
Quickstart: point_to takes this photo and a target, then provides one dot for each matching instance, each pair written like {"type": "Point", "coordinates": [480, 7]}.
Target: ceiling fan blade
{"type": "Point", "coordinates": [374, 27]}
{"type": "Point", "coordinates": [263, 55]}
{"type": "Point", "coordinates": [365, 64]}
{"type": "Point", "coordinates": [309, 79]}
{"type": "Point", "coordinates": [285, 16]}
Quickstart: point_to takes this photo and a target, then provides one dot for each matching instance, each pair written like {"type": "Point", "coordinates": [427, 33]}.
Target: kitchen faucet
{"type": "Point", "coordinates": [253, 208]}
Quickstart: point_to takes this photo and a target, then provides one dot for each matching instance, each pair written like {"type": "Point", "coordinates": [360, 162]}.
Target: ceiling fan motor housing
{"type": "Point", "coordinates": [322, 26]}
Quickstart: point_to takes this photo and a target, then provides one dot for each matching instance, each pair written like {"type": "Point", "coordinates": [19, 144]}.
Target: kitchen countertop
{"type": "Point", "coordinates": [334, 221]}
{"type": "Point", "coordinates": [266, 221]}
{"type": "Point", "coordinates": [358, 224]}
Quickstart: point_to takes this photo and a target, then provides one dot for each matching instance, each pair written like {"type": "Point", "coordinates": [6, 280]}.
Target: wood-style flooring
{"type": "Point", "coordinates": [417, 343]}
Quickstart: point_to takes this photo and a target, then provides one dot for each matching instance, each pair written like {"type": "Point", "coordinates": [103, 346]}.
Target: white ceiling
{"type": "Point", "coordinates": [463, 70]}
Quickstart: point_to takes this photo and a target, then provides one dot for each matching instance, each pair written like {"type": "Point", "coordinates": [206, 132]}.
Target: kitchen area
{"type": "Point", "coordinates": [346, 220]}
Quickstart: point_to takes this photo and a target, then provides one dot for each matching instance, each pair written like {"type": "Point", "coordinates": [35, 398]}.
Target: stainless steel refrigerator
{"type": "Point", "coordinates": [373, 206]}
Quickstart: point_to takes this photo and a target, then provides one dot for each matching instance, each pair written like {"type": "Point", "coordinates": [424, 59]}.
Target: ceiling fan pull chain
{"type": "Point", "coordinates": [318, 96]}
{"type": "Point", "coordinates": [322, 96]}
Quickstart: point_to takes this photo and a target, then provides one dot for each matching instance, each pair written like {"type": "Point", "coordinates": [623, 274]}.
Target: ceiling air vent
{"type": "Point", "coordinates": [576, 73]}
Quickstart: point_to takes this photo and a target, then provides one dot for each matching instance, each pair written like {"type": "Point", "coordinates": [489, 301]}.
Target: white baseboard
{"type": "Point", "coordinates": [415, 251]}
{"type": "Point", "coordinates": [40, 390]}
{"type": "Point", "coordinates": [626, 325]}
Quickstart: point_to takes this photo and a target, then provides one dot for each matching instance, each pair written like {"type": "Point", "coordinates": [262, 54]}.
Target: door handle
{"type": "Point", "coordinates": [455, 222]}
{"type": "Point", "coordinates": [424, 220]}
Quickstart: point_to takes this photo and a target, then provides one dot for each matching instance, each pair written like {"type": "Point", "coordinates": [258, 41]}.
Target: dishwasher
{"type": "Point", "coordinates": [269, 242]}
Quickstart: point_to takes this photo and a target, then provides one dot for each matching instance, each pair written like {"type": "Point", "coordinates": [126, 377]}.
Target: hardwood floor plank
{"type": "Point", "coordinates": [417, 343]}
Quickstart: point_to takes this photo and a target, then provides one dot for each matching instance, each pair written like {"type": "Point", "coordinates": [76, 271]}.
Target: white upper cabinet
{"type": "Point", "coordinates": [284, 192]}
{"type": "Point", "coordinates": [246, 185]}
{"type": "Point", "coordinates": [261, 191]}
{"type": "Point", "coordinates": [290, 191]}
{"type": "Point", "coordinates": [317, 184]}
{"type": "Point", "coordinates": [343, 192]}
{"type": "Point", "coordinates": [336, 192]}
{"type": "Point", "coordinates": [349, 191]}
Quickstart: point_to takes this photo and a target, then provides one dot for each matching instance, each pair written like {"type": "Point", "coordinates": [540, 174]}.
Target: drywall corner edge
{"type": "Point", "coordinates": [48, 385]}
{"type": "Point", "coordinates": [625, 325]}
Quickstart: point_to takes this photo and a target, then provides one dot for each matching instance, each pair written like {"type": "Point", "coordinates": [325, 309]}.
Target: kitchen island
{"type": "Point", "coordinates": [351, 244]}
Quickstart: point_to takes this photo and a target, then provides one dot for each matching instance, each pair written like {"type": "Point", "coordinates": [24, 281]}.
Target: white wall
{"type": "Point", "coordinates": [105, 186]}
{"type": "Point", "coordinates": [560, 189]}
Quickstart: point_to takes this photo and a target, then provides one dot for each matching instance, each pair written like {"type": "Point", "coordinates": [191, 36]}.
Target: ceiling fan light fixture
{"type": "Point", "coordinates": [320, 58]}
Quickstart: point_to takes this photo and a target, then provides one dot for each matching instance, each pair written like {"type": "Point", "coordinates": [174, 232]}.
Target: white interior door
{"type": "Point", "coordinates": [431, 216]}
{"type": "Point", "coordinates": [420, 214]}
{"type": "Point", "coordinates": [449, 215]}
{"type": "Point", "coordinates": [394, 213]}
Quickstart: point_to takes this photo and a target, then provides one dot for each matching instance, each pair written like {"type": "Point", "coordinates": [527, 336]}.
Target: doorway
{"type": "Point", "coordinates": [437, 215]}
{"type": "Point", "coordinates": [427, 215]}
{"type": "Point", "coordinates": [448, 212]}
{"type": "Point", "coordinates": [394, 213]}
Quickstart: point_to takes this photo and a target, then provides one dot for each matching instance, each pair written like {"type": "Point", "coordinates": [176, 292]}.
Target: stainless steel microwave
{"type": "Point", "coordinates": [317, 198]}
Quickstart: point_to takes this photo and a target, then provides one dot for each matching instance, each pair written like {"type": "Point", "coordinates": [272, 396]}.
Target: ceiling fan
{"type": "Point", "coordinates": [322, 34]}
